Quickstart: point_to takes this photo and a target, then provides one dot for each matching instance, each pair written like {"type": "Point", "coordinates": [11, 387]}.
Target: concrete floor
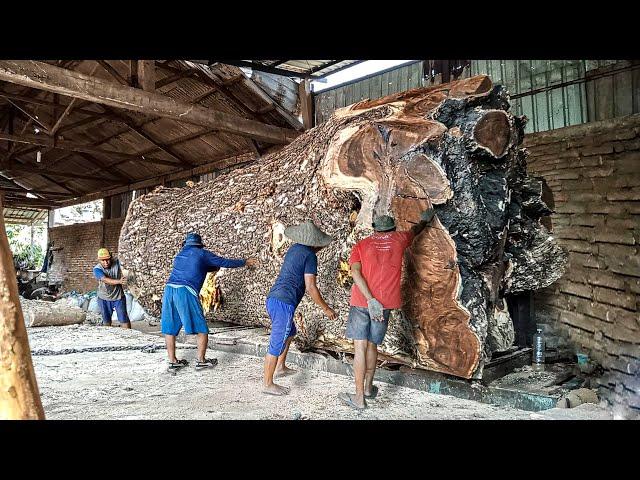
{"type": "Point", "coordinates": [135, 385]}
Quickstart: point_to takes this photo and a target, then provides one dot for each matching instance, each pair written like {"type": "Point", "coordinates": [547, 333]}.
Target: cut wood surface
{"type": "Point", "coordinates": [38, 313]}
{"type": "Point", "coordinates": [454, 147]}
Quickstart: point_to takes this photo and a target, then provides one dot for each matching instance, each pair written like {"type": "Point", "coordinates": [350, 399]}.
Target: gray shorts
{"type": "Point", "coordinates": [361, 327]}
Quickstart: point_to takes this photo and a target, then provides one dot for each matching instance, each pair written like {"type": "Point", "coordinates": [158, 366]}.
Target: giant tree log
{"type": "Point", "coordinates": [38, 313]}
{"type": "Point", "coordinates": [19, 395]}
{"type": "Point", "coordinates": [451, 146]}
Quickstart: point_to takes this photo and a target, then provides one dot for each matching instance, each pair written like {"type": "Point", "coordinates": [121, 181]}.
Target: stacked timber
{"type": "Point", "coordinates": [454, 147]}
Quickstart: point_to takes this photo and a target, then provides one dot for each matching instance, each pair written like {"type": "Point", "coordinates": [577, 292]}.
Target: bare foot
{"type": "Point", "coordinates": [275, 390]}
{"type": "Point", "coordinates": [352, 401]}
{"type": "Point", "coordinates": [283, 372]}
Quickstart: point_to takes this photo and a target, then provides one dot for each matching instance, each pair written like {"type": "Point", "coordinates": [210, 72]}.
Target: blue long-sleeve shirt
{"type": "Point", "coordinates": [192, 263]}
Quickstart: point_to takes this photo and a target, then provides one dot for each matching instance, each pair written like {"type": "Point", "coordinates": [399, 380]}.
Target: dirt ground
{"type": "Point", "coordinates": [135, 385]}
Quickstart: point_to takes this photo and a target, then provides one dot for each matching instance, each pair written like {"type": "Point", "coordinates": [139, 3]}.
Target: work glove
{"type": "Point", "coordinates": [427, 215]}
{"type": "Point", "coordinates": [376, 310]}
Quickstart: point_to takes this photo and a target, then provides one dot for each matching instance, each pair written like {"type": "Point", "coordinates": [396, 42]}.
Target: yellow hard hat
{"type": "Point", "coordinates": [103, 254]}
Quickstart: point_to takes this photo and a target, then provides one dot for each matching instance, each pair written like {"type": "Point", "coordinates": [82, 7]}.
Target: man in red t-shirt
{"type": "Point", "coordinates": [376, 267]}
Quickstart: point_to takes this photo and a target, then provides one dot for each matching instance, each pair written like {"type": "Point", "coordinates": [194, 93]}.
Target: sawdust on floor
{"type": "Point", "coordinates": [135, 385]}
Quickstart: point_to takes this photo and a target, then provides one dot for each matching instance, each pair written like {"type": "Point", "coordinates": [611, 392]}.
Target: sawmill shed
{"type": "Point", "coordinates": [78, 131]}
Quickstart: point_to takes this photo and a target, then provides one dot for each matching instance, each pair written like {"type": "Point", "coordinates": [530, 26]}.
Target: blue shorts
{"type": "Point", "coordinates": [107, 306]}
{"type": "Point", "coordinates": [361, 327]}
{"type": "Point", "coordinates": [181, 308]}
{"type": "Point", "coordinates": [282, 325]}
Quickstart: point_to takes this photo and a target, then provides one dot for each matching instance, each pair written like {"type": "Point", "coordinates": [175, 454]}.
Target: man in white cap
{"type": "Point", "coordinates": [297, 275]}
{"type": "Point", "coordinates": [376, 267]}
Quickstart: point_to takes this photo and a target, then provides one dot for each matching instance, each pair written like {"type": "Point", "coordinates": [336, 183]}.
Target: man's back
{"type": "Point", "coordinates": [381, 257]}
{"type": "Point", "coordinates": [289, 287]}
{"type": "Point", "coordinates": [192, 263]}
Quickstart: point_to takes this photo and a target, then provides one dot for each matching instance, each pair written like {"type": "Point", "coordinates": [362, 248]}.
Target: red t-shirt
{"type": "Point", "coordinates": [381, 257]}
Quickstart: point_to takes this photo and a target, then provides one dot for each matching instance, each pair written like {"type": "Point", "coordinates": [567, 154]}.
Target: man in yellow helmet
{"type": "Point", "coordinates": [108, 272]}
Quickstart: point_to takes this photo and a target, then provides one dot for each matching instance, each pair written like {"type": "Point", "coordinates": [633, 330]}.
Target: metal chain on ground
{"type": "Point", "coordinates": [151, 348]}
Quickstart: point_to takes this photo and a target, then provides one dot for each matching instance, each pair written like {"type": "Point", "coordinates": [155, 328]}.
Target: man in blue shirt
{"type": "Point", "coordinates": [180, 302]}
{"type": "Point", "coordinates": [297, 275]}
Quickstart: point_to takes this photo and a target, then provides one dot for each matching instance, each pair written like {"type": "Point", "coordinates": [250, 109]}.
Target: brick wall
{"type": "Point", "coordinates": [593, 171]}
{"type": "Point", "coordinates": [73, 264]}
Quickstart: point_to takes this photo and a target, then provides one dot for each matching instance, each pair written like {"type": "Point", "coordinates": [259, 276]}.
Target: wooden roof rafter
{"type": "Point", "coordinates": [91, 134]}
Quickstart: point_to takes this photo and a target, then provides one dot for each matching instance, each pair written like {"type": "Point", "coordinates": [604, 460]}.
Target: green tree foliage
{"type": "Point", "coordinates": [25, 256]}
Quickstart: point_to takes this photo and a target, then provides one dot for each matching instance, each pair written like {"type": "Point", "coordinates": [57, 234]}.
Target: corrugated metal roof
{"type": "Point", "coordinates": [306, 68]}
{"type": "Point", "coordinates": [23, 215]}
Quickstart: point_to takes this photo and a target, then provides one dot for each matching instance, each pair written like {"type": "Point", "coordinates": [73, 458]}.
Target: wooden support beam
{"type": "Point", "coordinates": [171, 79]}
{"type": "Point", "coordinates": [133, 73]}
{"type": "Point", "coordinates": [85, 121]}
{"type": "Point", "coordinates": [29, 202]}
{"type": "Point", "coordinates": [147, 75]}
{"type": "Point", "coordinates": [61, 184]}
{"type": "Point", "coordinates": [45, 103]}
{"type": "Point", "coordinates": [113, 72]}
{"type": "Point", "coordinates": [18, 185]}
{"type": "Point", "coordinates": [191, 136]}
{"type": "Point", "coordinates": [113, 169]}
{"type": "Point", "coordinates": [263, 68]}
{"type": "Point", "coordinates": [67, 110]}
{"type": "Point", "coordinates": [137, 129]}
{"type": "Point", "coordinates": [58, 80]}
{"type": "Point", "coordinates": [205, 95]}
{"type": "Point", "coordinates": [54, 173]}
{"type": "Point", "coordinates": [236, 160]}
{"type": "Point", "coordinates": [32, 116]}
{"type": "Point", "coordinates": [238, 102]}
{"type": "Point", "coordinates": [22, 191]}
{"type": "Point", "coordinates": [77, 147]}
{"type": "Point", "coordinates": [306, 103]}
{"type": "Point", "coordinates": [266, 109]}
{"type": "Point", "coordinates": [232, 80]}
{"type": "Point", "coordinates": [254, 147]}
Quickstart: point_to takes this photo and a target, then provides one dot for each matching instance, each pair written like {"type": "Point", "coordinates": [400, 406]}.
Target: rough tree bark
{"type": "Point", "coordinates": [19, 395]}
{"type": "Point", "coordinates": [452, 146]}
{"type": "Point", "coordinates": [39, 313]}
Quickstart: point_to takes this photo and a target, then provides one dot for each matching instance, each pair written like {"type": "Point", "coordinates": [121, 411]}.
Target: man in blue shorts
{"type": "Point", "coordinates": [297, 275]}
{"type": "Point", "coordinates": [181, 303]}
{"type": "Point", "coordinates": [111, 297]}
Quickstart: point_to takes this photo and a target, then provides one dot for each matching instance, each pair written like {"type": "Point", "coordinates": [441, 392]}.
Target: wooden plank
{"type": "Point", "coordinates": [306, 103]}
{"type": "Point", "coordinates": [45, 103]}
{"type": "Point", "coordinates": [53, 173]}
{"type": "Point", "coordinates": [66, 82]}
{"type": "Point", "coordinates": [132, 125]}
{"type": "Point", "coordinates": [29, 202]}
{"type": "Point", "coordinates": [34, 192]}
{"type": "Point", "coordinates": [623, 104]}
{"type": "Point", "coordinates": [67, 110]}
{"type": "Point", "coordinates": [133, 73]}
{"type": "Point", "coordinates": [113, 169]}
{"type": "Point", "coordinates": [604, 98]}
{"type": "Point", "coordinates": [147, 75]}
{"type": "Point", "coordinates": [77, 147]}
{"type": "Point", "coordinates": [113, 72]}
{"type": "Point", "coordinates": [32, 116]}
{"type": "Point", "coordinates": [636, 90]}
